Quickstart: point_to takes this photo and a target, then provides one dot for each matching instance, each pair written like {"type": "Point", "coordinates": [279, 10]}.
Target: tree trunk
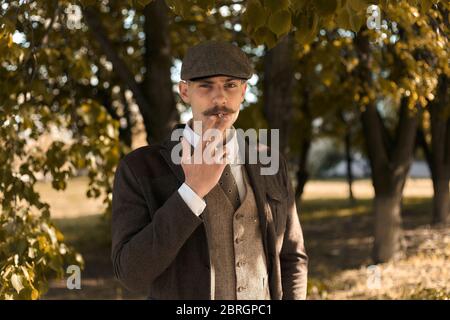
{"type": "Point", "coordinates": [387, 226]}
{"type": "Point", "coordinates": [441, 201]}
{"type": "Point", "coordinates": [278, 86]}
{"type": "Point", "coordinates": [157, 83]}
{"type": "Point", "coordinates": [349, 161]}
{"type": "Point", "coordinates": [302, 171]}
{"type": "Point", "coordinates": [389, 162]}
{"type": "Point", "coordinates": [100, 34]}
{"type": "Point", "coordinates": [389, 173]}
{"type": "Point", "coordinates": [440, 152]}
{"type": "Point", "coordinates": [155, 96]}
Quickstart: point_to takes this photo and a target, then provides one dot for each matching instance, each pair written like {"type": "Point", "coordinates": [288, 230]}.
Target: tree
{"type": "Point", "coordinates": [37, 95]}
{"type": "Point", "coordinates": [386, 77]}
{"type": "Point", "coordinates": [278, 88]}
{"type": "Point", "coordinates": [436, 128]}
{"type": "Point", "coordinates": [412, 78]}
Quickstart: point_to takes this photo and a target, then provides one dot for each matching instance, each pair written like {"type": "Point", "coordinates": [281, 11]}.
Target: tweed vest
{"type": "Point", "coordinates": [238, 263]}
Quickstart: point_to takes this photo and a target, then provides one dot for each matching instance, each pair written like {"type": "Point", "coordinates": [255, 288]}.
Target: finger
{"type": "Point", "coordinates": [186, 151]}
{"type": "Point", "coordinates": [214, 147]}
{"type": "Point", "coordinates": [209, 124]}
{"type": "Point", "coordinates": [221, 156]}
{"type": "Point", "coordinates": [221, 126]}
{"type": "Point", "coordinates": [203, 126]}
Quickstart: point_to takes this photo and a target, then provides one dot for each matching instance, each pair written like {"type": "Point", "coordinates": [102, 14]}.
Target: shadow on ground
{"type": "Point", "coordinates": [338, 236]}
{"type": "Point", "coordinates": [90, 236]}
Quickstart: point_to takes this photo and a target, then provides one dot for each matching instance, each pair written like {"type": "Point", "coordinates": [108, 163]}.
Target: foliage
{"type": "Point", "coordinates": [46, 130]}
{"type": "Point", "coordinates": [407, 55]}
{"type": "Point", "coordinates": [31, 252]}
{"type": "Point", "coordinates": [266, 21]}
{"type": "Point", "coordinates": [430, 294]}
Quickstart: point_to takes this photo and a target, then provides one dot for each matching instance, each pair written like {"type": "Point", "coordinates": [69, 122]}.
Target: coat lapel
{"type": "Point", "coordinates": [166, 152]}
{"type": "Point", "coordinates": [257, 182]}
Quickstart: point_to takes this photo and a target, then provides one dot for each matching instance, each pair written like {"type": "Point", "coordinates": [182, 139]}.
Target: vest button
{"type": "Point", "coordinates": [240, 263]}
{"type": "Point", "coordinates": [238, 240]}
{"type": "Point", "coordinates": [240, 289]}
{"type": "Point", "coordinates": [239, 216]}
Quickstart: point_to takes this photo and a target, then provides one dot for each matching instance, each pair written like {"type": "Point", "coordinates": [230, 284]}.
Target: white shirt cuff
{"type": "Point", "coordinates": [193, 200]}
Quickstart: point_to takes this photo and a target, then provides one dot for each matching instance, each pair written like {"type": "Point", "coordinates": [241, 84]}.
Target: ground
{"type": "Point", "coordinates": [338, 239]}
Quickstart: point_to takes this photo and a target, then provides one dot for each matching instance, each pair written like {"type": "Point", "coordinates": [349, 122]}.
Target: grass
{"type": "Point", "coordinates": [85, 233]}
{"type": "Point", "coordinates": [338, 239]}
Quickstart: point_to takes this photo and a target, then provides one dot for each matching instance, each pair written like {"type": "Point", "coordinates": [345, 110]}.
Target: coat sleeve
{"type": "Point", "coordinates": [293, 257]}
{"type": "Point", "coordinates": [142, 248]}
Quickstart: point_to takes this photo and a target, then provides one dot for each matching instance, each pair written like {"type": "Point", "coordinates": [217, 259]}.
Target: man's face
{"type": "Point", "coordinates": [219, 97]}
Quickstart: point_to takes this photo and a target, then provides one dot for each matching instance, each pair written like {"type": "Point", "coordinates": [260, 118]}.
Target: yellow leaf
{"type": "Point", "coordinates": [16, 282]}
{"type": "Point", "coordinates": [34, 294]}
{"type": "Point", "coordinates": [10, 41]}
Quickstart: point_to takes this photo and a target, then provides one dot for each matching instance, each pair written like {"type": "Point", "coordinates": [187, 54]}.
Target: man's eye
{"type": "Point", "coordinates": [231, 85]}
{"type": "Point", "coordinates": [204, 86]}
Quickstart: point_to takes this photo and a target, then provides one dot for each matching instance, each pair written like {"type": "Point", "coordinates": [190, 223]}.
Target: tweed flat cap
{"type": "Point", "coordinates": [212, 58]}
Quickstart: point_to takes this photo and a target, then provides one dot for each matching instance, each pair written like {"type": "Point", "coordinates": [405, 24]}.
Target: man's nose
{"type": "Point", "coordinates": [219, 96]}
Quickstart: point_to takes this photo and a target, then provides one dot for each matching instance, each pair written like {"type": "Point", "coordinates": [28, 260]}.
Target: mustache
{"type": "Point", "coordinates": [216, 109]}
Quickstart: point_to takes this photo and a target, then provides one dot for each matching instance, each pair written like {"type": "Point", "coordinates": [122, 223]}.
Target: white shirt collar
{"type": "Point", "coordinates": [232, 145]}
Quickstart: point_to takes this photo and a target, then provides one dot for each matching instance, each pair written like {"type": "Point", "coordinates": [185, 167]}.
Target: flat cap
{"type": "Point", "coordinates": [212, 58]}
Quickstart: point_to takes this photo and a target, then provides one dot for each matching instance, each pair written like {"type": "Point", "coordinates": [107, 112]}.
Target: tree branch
{"type": "Point", "coordinates": [98, 32]}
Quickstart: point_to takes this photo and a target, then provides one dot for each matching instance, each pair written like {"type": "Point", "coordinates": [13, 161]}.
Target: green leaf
{"type": "Point", "coordinates": [264, 36]}
{"type": "Point", "coordinates": [206, 4]}
{"type": "Point", "coordinates": [356, 20]}
{"type": "Point", "coordinates": [343, 19]}
{"type": "Point", "coordinates": [275, 5]}
{"type": "Point", "coordinates": [357, 5]}
{"type": "Point", "coordinates": [297, 5]}
{"type": "Point", "coordinates": [325, 7]}
{"type": "Point", "coordinates": [256, 15]}
{"type": "Point", "coordinates": [307, 27]}
{"type": "Point", "coordinates": [280, 22]}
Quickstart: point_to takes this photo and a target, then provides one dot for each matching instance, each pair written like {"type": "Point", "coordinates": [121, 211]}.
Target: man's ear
{"type": "Point", "coordinates": [244, 89]}
{"type": "Point", "coordinates": [183, 91]}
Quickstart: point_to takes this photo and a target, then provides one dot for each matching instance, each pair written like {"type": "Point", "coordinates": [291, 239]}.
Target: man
{"type": "Point", "coordinates": [202, 230]}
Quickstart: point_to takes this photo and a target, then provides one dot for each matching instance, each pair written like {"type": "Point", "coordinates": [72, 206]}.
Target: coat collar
{"type": "Point", "coordinates": [252, 169]}
{"type": "Point", "coordinates": [256, 181]}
